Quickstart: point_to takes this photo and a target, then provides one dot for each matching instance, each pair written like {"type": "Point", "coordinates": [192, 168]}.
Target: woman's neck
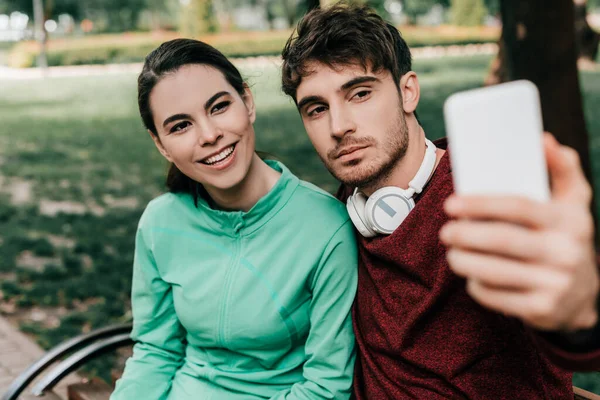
{"type": "Point", "coordinates": [258, 182]}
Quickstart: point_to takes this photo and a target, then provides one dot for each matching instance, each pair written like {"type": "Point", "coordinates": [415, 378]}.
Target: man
{"type": "Point", "coordinates": [422, 330]}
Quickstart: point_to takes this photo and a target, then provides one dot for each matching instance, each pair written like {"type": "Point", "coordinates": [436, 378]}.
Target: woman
{"type": "Point", "coordinates": [244, 275]}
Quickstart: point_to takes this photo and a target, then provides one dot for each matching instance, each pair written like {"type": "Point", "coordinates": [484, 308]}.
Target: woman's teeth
{"type": "Point", "coordinates": [219, 157]}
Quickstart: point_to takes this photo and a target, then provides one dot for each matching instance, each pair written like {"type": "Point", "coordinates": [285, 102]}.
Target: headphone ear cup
{"type": "Point", "coordinates": [386, 209]}
{"type": "Point", "coordinates": [356, 210]}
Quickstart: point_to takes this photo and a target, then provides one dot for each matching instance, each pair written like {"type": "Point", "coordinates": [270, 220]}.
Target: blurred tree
{"type": "Point", "coordinates": [586, 39]}
{"type": "Point", "coordinates": [289, 8]}
{"type": "Point", "coordinates": [40, 31]}
{"type": "Point", "coordinates": [120, 15]}
{"type": "Point", "coordinates": [493, 7]}
{"type": "Point", "coordinates": [468, 12]}
{"type": "Point", "coordinates": [117, 15]}
{"type": "Point", "coordinates": [24, 6]}
{"type": "Point", "coordinates": [415, 8]}
{"type": "Point", "coordinates": [197, 18]}
{"type": "Point", "coordinates": [155, 9]}
{"type": "Point", "coordinates": [539, 45]}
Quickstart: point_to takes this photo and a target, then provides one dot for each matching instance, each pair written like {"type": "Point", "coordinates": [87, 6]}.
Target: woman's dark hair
{"type": "Point", "coordinates": [165, 60]}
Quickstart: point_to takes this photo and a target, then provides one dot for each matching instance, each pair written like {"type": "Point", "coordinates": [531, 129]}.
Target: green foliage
{"type": "Point", "coordinates": [10, 289]}
{"type": "Point", "coordinates": [106, 49]}
{"type": "Point", "coordinates": [197, 18]}
{"type": "Point", "coordinates": [468, 12]}
{"type": "Point", "coordinates": [415, 8]}
{"type": "Point", "coordinates": [42, 247]}
{"type": "Point", "coordinates": [493, 7]}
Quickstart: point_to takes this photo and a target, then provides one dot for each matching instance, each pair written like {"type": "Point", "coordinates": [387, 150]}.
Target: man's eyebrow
{"type": "Point", "coordinates": [351, 83]}
{"type": "Point", "coordinates": [358, 81]}
{"type": "Point", "coordinates": [213, 98]}
{"type": "Point", "coordinates": [308, 99]}
{"type": "Point", "coordinates": [175, 117]}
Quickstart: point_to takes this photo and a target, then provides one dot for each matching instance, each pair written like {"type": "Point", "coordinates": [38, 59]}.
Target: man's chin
{"type": "Point", "coordinates": [355, 176]}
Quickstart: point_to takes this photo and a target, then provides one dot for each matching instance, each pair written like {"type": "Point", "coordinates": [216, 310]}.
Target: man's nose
{"type": "Point", "coordinates": [341, 121]}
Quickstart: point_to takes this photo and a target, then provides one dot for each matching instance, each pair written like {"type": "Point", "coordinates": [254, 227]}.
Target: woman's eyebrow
{"type": "Point", "coordinates": [175, 117]}
{"type": "Point", "coordinates": [214, 98]}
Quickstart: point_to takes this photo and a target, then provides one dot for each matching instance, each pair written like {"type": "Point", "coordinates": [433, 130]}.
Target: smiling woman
{"type": "Point", "coordinates": [244, 275]}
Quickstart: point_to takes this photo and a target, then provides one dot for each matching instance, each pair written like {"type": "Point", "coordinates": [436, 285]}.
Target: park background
{"type": "Point", "coordinates": [77, 167]}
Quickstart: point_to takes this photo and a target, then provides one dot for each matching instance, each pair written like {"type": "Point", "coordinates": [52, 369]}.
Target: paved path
{"type": "Point", "coordinates": [256, 62]}
{"type": "Point", "coordinates": [17, 352]}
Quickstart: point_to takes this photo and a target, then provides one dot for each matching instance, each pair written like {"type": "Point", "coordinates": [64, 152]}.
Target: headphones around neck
{"type": "Point", "coordinates": [384, 211]}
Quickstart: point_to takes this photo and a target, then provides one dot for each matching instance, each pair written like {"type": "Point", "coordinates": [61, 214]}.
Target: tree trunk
{"type": "Point", "coordinates": [539, 45]}
{"type": "Point", "coordinates": [40, 32]}
{"type": "Point", "coordinates": [586, 38]}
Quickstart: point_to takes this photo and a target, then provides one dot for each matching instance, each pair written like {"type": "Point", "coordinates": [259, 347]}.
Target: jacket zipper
{"type": "Point", "coordinates": [226, 293]}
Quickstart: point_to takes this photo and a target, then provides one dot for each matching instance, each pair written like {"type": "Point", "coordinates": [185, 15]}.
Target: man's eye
{"type": "Point", "coordinates": [362, 94]}
{"type": "Point", "coordinates": [179, 127]}
{"type": "Point", "coordinates": [220, 107]}
{"type": "Point", "coordinates": [313, 112]}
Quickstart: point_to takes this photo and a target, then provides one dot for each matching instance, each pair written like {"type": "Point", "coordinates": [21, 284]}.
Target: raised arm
{"type": "Point", "coordinates": [535, 261]}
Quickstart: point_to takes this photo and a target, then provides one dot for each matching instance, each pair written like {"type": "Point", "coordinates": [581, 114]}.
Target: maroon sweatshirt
{"type": "Point", "coordinates": [421, 336]}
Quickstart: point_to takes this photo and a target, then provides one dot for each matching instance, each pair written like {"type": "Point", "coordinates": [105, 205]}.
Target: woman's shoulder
{"type": "Point", "coordinates": [166, 206]}
{"type": "Point", "coordinates": [320, 204]}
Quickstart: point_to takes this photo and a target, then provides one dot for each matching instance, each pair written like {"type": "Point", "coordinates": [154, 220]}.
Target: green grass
{"type": "Point", "coordinates": [81, 140]}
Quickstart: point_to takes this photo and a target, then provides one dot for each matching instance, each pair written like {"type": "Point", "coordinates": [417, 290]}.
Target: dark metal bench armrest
{"type": "Point", "coordinates": [58, 352]}
{"type": "Point", "coordinates": [79, 358]}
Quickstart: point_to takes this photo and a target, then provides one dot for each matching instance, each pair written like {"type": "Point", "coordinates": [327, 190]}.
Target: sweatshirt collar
{"type": "Point", "coordinates": [240, 223]}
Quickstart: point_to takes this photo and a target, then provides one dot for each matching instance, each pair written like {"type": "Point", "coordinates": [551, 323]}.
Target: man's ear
{"type": "Point", "coordinates": [160, 146]}
{"type": "Point", "coordinates": [411, 92]}
{"type": "Point", "coordinates": [249, 101]}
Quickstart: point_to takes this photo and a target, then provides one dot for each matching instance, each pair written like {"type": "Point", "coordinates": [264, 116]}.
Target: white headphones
{"type": "Point", "coordinates": [384, 210]}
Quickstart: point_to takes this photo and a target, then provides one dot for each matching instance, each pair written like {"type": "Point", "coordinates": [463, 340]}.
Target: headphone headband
{"type": "Point", "coordinates": [417, 184]}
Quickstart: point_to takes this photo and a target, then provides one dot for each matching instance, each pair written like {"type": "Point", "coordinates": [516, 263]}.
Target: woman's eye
{"type": "Point", "coordinates": [220, 107]}
{"type": "Point", "coordinates": [179, 127]}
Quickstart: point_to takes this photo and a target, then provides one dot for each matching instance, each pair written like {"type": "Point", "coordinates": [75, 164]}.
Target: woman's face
{"type": "Point", "coordinates": [204, 126]}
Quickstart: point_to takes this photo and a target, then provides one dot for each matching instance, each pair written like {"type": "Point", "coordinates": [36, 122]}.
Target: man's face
{"type": "Point", "coordinates": [355, 121]}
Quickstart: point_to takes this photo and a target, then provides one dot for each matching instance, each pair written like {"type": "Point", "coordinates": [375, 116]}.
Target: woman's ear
{"type": "Point", "coordinates": [411, 92]}
{"type": "Point", "coordinates": [160, 146]}
{"type": "Point", "coordinates": [249, 101]}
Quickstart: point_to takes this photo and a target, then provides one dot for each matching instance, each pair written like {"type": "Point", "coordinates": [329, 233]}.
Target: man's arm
{"type": "Point", "coordinates": [531, 260]}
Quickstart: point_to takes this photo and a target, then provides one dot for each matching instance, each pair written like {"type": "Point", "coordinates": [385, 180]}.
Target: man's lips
{"type": "Point", "coordinates": [349, 150]}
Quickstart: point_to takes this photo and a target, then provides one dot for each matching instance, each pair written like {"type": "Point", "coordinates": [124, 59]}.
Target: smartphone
{"type": "Point", "coordinates": [495, 141]}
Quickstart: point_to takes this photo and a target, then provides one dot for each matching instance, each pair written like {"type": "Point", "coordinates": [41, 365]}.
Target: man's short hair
{"type": "Point", "coordinates": [343, 34]}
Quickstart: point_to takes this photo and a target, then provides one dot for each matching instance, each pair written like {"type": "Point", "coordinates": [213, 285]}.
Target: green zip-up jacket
{"type": "Point", "coordinates": [243, 305]}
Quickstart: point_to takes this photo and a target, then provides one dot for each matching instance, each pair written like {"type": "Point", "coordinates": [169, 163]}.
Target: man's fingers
{"type": "Point", "coordinates": [505, 273]}
{"type": "Point", "coordinates": [567, 179]}
{"type": "Point", "coordinates": [516, 210]}
{"type": "Point", "coordinates": [543, 311]}
{"type": "Point", "coordinates": [508, 240]}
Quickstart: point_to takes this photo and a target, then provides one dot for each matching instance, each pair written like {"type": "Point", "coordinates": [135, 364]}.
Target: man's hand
{"type": "Point", "coordinates": [526, 259]}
